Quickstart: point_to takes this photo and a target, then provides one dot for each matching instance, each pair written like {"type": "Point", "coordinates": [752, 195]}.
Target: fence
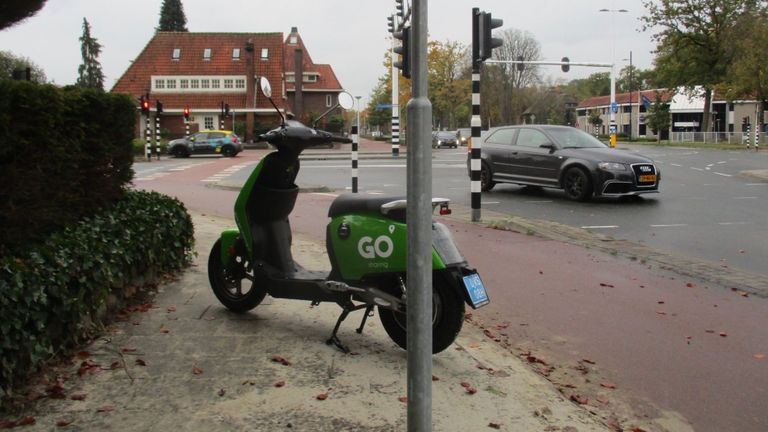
{"type": "Point", "coordinates": [716, 137]}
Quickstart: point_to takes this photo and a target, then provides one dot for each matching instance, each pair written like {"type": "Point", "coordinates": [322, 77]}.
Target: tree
{"type": "Point", "coordinates": [748, 72]}
{"type": "Point", "coordinates": [597, 84]}
{"type": "Point", "coordinates": [14, 11]}
{"type": "Point", "coordinates": [10, 62]}
{"type": "Point", "coordinates": [449, 92]}
{"type": "Point", "coordinates": [595, 119]}
{"type": "Point", "coordinates": [89, 72]}
{"type": "Point", "coordinates": [172, 18]}
{"type": "Point", "coordinates": [658, 117]}
{"type": "Point", "coordinates": [692, 43]}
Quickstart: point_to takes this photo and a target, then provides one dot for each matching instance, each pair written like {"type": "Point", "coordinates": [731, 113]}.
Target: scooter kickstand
{"type": "Point", "coordinates": [334, 340]}
{"type": "Point", "coordinates": [368, 312]}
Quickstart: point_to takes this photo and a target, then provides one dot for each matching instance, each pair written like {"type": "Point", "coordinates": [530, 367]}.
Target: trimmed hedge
{"type": "Point", "coordinates": [54, 294]}
{"type": "Point", "coordinates": [65, 153]}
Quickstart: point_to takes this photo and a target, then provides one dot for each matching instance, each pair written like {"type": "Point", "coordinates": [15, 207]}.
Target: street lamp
{"type": "Point", "coordinates": [612, 127]}
{"type": "Point", "coordinates": [359, 130]}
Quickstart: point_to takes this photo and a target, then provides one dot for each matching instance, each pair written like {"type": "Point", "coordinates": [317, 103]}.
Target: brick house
{"type": "Point", "coordinates": [204, 71]}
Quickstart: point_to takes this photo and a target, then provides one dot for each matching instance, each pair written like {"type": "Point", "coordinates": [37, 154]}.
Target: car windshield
{"type": "Point", "coordinates": [446, 135]}
{"type": "Point", "coordinates": [574, 138]}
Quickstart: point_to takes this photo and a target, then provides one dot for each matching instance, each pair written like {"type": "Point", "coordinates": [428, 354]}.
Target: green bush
{"type": "Point", "coordinates": [65, 153]}
{"type": "Point", "coordinates": [53, 295]}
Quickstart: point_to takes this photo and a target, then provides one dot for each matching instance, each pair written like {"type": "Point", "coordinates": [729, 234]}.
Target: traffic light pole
{"type": "Point", "coordinates": [148, 137]}
{"type": "Point", "coordinates": [476, 122]}
{"type": "Point", "coordinates": [157, 135]}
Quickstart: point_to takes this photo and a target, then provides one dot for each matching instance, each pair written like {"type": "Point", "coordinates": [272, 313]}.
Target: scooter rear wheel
{"type": "Point", "coordinates": [447, 318]}
{"type": "Point", "coordinates": [227, 283]}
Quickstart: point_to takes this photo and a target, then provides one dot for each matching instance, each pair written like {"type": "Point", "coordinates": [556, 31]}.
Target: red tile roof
{"type": "Point", "coordinates": [624, 98]}
{"type": "Point", "coordinates": [326, 79]}
{"type": "Point", "coordinates": [156, 59]}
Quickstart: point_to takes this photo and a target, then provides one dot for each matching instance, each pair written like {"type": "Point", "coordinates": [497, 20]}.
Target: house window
{"type": "Point", "coordinates": [205, 83]}
{"type": "Point", "coordinates": [160, 83]}
{"type": "Point", "coordinates": [215, 83]}
{"type": "Point", "coordinates": [264, 53]}
{"type": "Point", "coordinates": [184, 83]}
{"type": "Point", "coordinates": [293, 40]}
{"type": "Point", "coordinates": [240, 83]}
{"type": "Point", "coordinates": [290, 77]}
{"type": "Point", "coordinates": [195, 83]}
{"type": "Point", "coordinates": [207, 54]}
{"type": "Point", "coordinates": [228, 83]}
{"type": "Point", "coordinates": [208, 122]}
{"type": "Point", "coordinates": [171, 83]}
{"type": "Point", "coordinates": [328, 100]}
{"type": "Point", "coordinates": [176, 54]}
{"type": "Point", "coordinates": [236, 54]}
{"type": "Point", "coordinates": [310, 78]}
{"type": "Point", "coordinates": [627, 108]}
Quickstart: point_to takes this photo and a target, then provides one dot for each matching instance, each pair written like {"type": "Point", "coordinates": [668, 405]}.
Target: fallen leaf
{"type": "Point", "coordinates": [586, 360]}
{"type": "Point", "coordinates": [541, 272]}
{"type": "Point", "coordinates": [209, 318]}
{"type": "Point", "coordinates": [759, 356]}
{"type": "Point", "coordinates": [222, 392]}
{"type": "Point", "coordinates": [494, 425]}
{"type": "Point", "coordinates": [105, 408]}
{"type": "Point", "coordinates": [171, 309]}
{"type": "Point", "coordinates": [165, 330]}
{"type": "Point", "coordinates": [471, 390]}
{"type": "Point", "coordinates": [322, 396]}
{"type": "Point", "coordinates": [435, 378]}
{"type": "Point", "coordinates": [196, 370]}
{"type": "Point", "coordinates": [660, 302]}
{"type": "Point", "coordinates": [638, 429]}
{"type": "Point", "coordinates": [280, 384]}
{"type": "Point", "coordinates": [689, 285]}
{"type": "Point", "coordinates": [56, 391]}
{"type": "Point", "coordinates": [723, 334]}
{"type": "Point", "coordinates": [82, 355]}
{"type": "Point", "coordinates": [606, 285]}
{"type": "Point", "coordinates": [608, 385]}
{"type": "Point", "coordinates": [115, 365]}
{"type": "Point", "coordinates": [281, 360]}
{"type": "Point", "coordinates": [78, 396]}
{"type": "Point", "coordinates": [128, 349]}
{"type": "Point", "coordinates": [579, 399]}
{"type": "Point", "coordinates": [141, 362]}
{"type": "Point", "coordinates": [661, 312]}
{"type": "Point", "coordinates": [744, 294]}
{"type": "Point", "coordinates": [64, 422]}
{"type": "Point", "coordinates": [741, 251]}
{"type": "Point", "coordinates": [403, 399]}
{"type": "Point", "coordinates": [465, 384]}
{"type": "Point", "coordinates": [602, 400]}
{"type": "Point", "coordinates": [251, 382]}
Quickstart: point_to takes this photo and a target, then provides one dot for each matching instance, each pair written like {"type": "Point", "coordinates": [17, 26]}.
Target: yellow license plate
{"type": "Point", "coordinates": [648, 178]}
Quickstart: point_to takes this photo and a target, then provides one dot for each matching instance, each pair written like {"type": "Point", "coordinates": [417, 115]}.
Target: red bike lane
{"type": "Point", "coordinates": [626, 340]}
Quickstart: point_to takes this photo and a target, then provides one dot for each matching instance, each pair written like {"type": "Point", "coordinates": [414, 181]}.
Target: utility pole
{"type": "Point", "coordinates": [419, 216]}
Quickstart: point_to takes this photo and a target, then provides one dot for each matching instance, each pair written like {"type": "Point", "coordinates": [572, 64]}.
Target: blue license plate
{"type": "Point", "coordinates": [476, 290]}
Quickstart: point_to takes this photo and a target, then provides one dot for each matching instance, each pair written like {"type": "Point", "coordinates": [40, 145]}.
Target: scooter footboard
{"type": "Point", "coordinates": [467, 281]}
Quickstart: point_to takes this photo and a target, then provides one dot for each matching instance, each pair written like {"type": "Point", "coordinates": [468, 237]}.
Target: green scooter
{"type": "Point", "coordinates": [366, 243]}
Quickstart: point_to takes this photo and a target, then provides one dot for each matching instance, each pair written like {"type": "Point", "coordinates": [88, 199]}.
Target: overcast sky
{"type": "Point", "coordinates": [350, 35]}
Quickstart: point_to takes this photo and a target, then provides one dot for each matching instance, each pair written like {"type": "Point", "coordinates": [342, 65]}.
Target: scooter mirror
{"type": "Point", "coordinates": [266, 87]}
{"type": "Point", "coordinates": [346, 101]}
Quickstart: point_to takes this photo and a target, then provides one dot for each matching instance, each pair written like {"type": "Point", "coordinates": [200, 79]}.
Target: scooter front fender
{"type": "Point", "coordinates": [229, 238]}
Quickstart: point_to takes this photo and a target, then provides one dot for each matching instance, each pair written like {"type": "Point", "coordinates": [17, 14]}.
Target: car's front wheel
{"type": "Point", "coordinates": [229, 151]}
{"type": "Point", "coordinates": [577, 185]}
{"type": "Point", "coordinates": [180, 152]}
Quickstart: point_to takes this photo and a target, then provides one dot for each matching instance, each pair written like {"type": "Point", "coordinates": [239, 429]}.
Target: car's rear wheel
{"type": "Point", "coordinates": [229, 151]}
{"type": "Point", "coordinates": [577, 185]}
{"type": "Point", "coordinates": [486, 178]}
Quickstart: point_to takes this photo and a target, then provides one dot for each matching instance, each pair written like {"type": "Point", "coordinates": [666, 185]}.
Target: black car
{"type": "Point", "coordinates": [566, 158]}
{"type": "Point", "coordinates": [444, 139]}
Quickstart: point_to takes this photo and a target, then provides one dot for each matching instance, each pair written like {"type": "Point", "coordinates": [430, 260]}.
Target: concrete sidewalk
{"type": "Point", "coordinates": [187, 364]}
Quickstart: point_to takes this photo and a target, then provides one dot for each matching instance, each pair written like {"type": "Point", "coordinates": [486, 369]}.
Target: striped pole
{"type": "Point", "coordinates": [148, 137]}
{"type": "Point", "coordinates": [749, 135]}
{"type": "Point", "coordinates": [186, 125]}
{"type": "Point", "coordinates": [758, 125]}
{"type": "Point", "coordinates": [475, 164]}
{"type": "Point", "coordinates": [395, 105]}
{"type": "Point", "coordinates": [355, 138]}
{"type": "Point", "coordinates": [157, 136]}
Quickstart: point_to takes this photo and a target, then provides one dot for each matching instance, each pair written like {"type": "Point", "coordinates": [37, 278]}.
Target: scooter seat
{"type": "Point", "coordinates": [352, 203]}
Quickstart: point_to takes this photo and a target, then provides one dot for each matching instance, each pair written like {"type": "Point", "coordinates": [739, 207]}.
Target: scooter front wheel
{"type": "Point", "coordinates": [228, 282]}
{"type": "Point", "coordinates": [447, 318]}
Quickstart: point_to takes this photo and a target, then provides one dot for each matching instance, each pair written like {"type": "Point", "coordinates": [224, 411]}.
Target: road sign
{"type": "Point", "coordinates": [614, 107]}
{"type": "Point", "coordinates": [612, 128]}
{"type": "Point", "coordinates": [383, 106]}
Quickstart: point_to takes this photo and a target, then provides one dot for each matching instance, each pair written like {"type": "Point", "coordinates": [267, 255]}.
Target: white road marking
{"type": "Point", "coordinates": [745, 197]}
{"type": "Point", "coordinates": [600, 227]}
{"type": "Point", "coordinates": [537, 202]}
{"type": "Point", "coordinates": [756, 184]}
{"type": "Point", "coordinates": [722, 174]}
{"type": "Point", "coordinates": [325, 194]}
{"type": "Point", "coordinates": [676, 165]}
{"type": "Point", "coordinates": [490, 202]}
{"type": "Point", "coordinates": [697, 169]}
{"type": "Point", "coordinates": [731, 223]}
{"type": "Point", "coordinates": [668, 225]}
{"type": "Point", "coordinates": [722, 162]}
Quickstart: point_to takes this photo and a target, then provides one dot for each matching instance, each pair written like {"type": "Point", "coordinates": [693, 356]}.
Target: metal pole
{"type": "Point", "coordinates": [631, 111]}
{"type": "Point", "coordinates": [157, 135]}
{"type": "Point", "coordinates": [476, 123]}
{"type": "Point", "coordinates": [612, 126]}
{"type": "Point", "coordinates": [419, 216]}
{"type": "Point", "coordinates": [148, 138]}
{"type": "Point", "coordinates": [355, 134]}
{"type": "Point", "coordinates": [395, 104]}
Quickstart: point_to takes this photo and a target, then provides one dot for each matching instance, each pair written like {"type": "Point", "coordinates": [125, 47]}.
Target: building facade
{"type": "Point", "coordinates": [215, 77]}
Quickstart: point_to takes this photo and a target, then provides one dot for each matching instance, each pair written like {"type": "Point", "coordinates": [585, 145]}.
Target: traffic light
{"type": "Point", "coordinates": [144, 105]}
{"type": "Point", "coordinates": [565, 67]}
{"type": "Point", "coordinates": [391, 23]}
{"type": "Point", "coordinates": [159, 106]}
{"type": "Point", "coordinates": [404, 50]}
{"type": "Point", "coordinates": [186, 113]}
{"type": "Point", "coordinates": [400, 8]}
{"type": "Point", "coordinates": [487, 43]}
{"type": "Point", "coordinates": [520, 64]}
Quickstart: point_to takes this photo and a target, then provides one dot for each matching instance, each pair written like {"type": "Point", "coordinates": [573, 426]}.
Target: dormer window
{"type": "Point", "coordinates": [265, 53]}
{"type": "Point", "coordinates": [207, 54]}
{"type": "Point", "coordinates": [236, 54]}
{"type": "Point", "coordinates": [293, 40]}
{"type": "Point", "coordinates": [176, 54]}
